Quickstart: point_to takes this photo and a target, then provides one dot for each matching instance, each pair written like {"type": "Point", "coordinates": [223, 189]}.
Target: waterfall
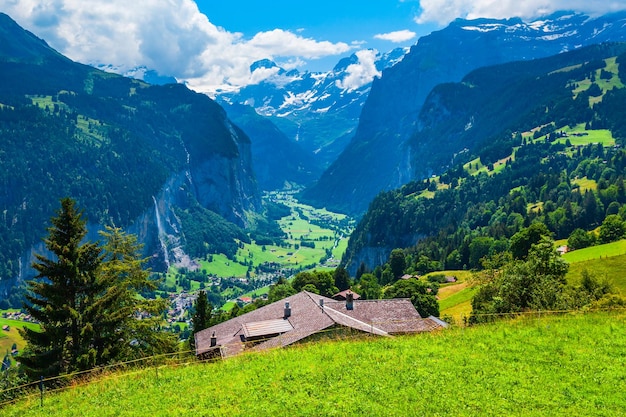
{"type": "Point", "coordinates": [187, 172]}
{"type": "Point", "coordinates": [19, 271]}
{"type": "Point", "coordinates": [162, 234]}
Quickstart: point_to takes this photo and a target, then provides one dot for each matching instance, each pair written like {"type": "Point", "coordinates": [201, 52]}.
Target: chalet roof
{"type": "Point", "coordinates": [309, 314]}
{"type": "Point", "coordinates": [342, 295]}
{"type": "Point", "coordinates": [409, 276]}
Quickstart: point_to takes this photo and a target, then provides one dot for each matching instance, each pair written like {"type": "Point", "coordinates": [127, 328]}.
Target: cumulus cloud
{"type": "Point", "coordinates": [397, 36]}
{"type": "Point", "coordinates": [171, 37]}
{"type": "Point", "coordinates": [362, 72]}
{"type": "Point", "coordinates": [444, 11]}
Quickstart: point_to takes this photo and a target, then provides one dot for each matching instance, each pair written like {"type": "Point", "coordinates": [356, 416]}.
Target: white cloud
{"type": "Point", "coordinates": [444, 11]}
{"type": "Point", "coordinates": [361, 73]}
{"type": "Point", "coordinates": [397, 36]}
{"type": "Point", "coordinates": [290, 44]}
{"type": "Point", "coordinates": [171, 37]}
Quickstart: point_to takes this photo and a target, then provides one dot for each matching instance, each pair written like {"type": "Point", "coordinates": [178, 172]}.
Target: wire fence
{"type": "Point", "coordinates": [50, 385]}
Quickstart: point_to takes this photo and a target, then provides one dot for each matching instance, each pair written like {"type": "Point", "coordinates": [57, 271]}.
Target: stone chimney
{"type": "Point", "coordinates": [287, 311]}
{"type": "Point", "coordinates": [213, 340]}
{"type": "Point", "coordinates": [349, 301]}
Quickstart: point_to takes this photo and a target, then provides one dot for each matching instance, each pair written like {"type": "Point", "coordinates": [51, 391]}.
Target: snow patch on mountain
{"type": "Point", "coordinates": [361, 73]}
{"type": "Point", "coordinates": [276, 92]}
{"type": "Point", "coordinates": [484, 28]}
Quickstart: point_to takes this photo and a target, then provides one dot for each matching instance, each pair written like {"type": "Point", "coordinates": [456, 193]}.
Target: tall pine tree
{"type": "Point", "coordinates": [60, 294]}
{"type": "Point", "coordinates": [128, 325]}
{"type": "Point", "coordinates": [201, 318]}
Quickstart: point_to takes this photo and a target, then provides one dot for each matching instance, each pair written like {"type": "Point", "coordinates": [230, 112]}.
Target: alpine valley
{"type": "Point", "coordinates": [477, 131]}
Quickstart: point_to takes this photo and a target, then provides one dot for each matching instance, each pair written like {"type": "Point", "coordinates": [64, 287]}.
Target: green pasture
{"type": "Point", "coordinates": [605, 85]}
{"type": "Point", "coordinates": [228, 305]}
{"type": "Point", "coordinates": [612, 268]}
{"type": "Point", "coordinates": [7, 338]}
{"type": "Point", "coordinates": [455, 298]}
{"type": "Point", "coordinates": [224, 267]}
{"type": "Point", "coordinates": [340, 249]}
{"type": "Point", "coordinates": [473, 166]}
{"type": "Point", "coordinates": [45, 101]}
{"type": "Point", "coordinates": [585, 184]}
{"type": "Point", "coordinates": [458, 304]}
{"type": "Point", "coordinates": [596, 252]}
{"type": "Point", "coordinates": [567, 365]}
{"type": "Point", "coordinates": [603, 136]}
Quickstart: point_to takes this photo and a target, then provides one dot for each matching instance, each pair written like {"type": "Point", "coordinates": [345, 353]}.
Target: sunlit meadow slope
{"type": "Point", "coordinates": [569, 365]}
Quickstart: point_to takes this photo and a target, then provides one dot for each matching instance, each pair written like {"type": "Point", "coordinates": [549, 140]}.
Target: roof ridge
{"type": "Point", "coordinates": [360, 300]}
{"type": "Point", "coordinates": [371, 325]}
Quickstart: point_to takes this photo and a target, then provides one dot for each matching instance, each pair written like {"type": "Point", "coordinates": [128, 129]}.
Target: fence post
{"type": "Point", "coordinates": [41, 389]}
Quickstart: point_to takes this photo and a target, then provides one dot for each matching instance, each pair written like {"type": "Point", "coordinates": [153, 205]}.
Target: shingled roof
{"type": "Point", "coordinates": [309, 314]}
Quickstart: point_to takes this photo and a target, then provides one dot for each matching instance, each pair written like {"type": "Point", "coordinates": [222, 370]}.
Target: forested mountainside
{"type": "Point", "coordinates": [541, 141]}
{"type": "Point", "coordinates": [382, 154]}
{"type": "Point", "coordinates": [131, 154]}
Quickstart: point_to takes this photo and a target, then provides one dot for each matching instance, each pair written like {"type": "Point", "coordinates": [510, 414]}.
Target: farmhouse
{"type": "Point", "coordinates": [306, 315]}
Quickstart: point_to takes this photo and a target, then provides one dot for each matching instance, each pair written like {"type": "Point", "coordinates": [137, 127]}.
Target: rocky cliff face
{"type": "Point", "coordinates": [378, 156]}
{"type": "Point", "coordinates": [222, 185]}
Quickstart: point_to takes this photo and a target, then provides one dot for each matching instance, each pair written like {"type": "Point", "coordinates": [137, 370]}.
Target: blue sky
{"type": "Point", "coordinates": [336, 19]}
{"type": "Point", "coordinates": [349, 21]}
{"type": "Point", "coordinates": [210, 44]}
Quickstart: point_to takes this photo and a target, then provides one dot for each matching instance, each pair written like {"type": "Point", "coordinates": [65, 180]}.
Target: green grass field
{"type": "Point", "coordinates": [571, 365]}
{"type": "Point", "coordinates": [605, 85]}
{"type": "Point", "coordinates": [602, 136]}
{"type": "Point", "coordinates": [12, 336]}
{"type": "Point", "coordinates": [596, 252]}
{"type": "Point", "coordinates": [585, 184]}
{"type": "Point", "coordinates": [455, 299]}
{"type": "Point", "coordinates": [612, 268]}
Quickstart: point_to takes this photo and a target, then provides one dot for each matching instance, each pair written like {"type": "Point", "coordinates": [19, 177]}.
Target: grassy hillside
{"type": "Point", "coordinates": [552, 366]}
{"type": "Point", "coordinates": [606, 261]}
{"type": "Point", "coordinates": [7, 338]}
{"type": "Point", "coordinates": [455, 299]}
{"type": "Point", "coordinates": [596, 252]}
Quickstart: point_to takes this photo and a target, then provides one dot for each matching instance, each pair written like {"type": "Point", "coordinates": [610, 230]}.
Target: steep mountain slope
{"type": "Point", "coordinates": [131, 154]}
{"type": "Point", "coordinates": [277, 160]}
{"type": "Point", "coordinates": [319, 110]}
{"type": "Point", "coordinates": [381, 155]}
{"type": "Point", "coordinates": [522, 118]}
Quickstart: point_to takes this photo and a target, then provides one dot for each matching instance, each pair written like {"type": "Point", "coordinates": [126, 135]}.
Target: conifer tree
{"type": "Point", "coordinates": [60, 294]}
{"type": "Point", "coordinates": [342, 278]}
{"type": "Point", "coordinates": [128, 325]}
{"type": "Point", "coordinates": [201, 318]}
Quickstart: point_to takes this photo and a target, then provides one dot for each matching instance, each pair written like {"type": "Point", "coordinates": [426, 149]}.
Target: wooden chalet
{"type": "Point", "coordinates": [303, 315]}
